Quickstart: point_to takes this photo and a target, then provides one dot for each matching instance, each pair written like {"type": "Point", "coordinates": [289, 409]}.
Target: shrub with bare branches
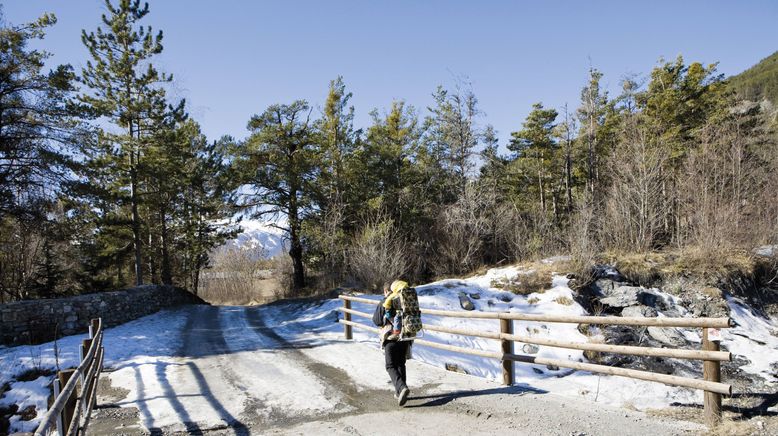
{"type": "Point", "coordinates": [378, 253]}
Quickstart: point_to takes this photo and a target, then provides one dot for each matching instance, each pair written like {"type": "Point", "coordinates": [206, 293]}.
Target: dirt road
{"type": "Point", "coordinates": [238, 371]}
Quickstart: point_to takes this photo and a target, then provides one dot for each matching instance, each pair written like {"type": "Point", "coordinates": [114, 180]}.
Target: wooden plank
{"type": "Point", "coordinates": [470, 351]}
{"type": "Point", "coordinates": [359, 326]}
{"type": "Point", "coordinates": [463, 314]}
{"type": "Point", "coordinates": [598, 320]}
{"type": "Point", "coordinates": [463, 332]}
{"type": "Point", "coordinates": [618, 320]}
{"type": "Point", "coordinates": [355, 312]}
{"type": "Point", "coordinates": [623, 372]}
{"type": "Point", "coordinates": [711, 372]}
{"type": "Point", "coordinates": [56, 390]}
{"type": "Point", "coordinates": [506, 346]}
{"type": "Point", "coordinates": [95, 326]}
{"type": "Point", "coordinates": [347, 316]}
{"type": "Point", "coordinates": [48, 421]}
{"type": "Point", "coordinates": [630, 373]}
{"type": "Point", "coordinates": [625, 349]}
{"type": "Point", "coordinates": [69, 405]}
{"type": "Point", "coordinates": [91, 399]}
{"type": "Point", "coordinates": [359, 300]}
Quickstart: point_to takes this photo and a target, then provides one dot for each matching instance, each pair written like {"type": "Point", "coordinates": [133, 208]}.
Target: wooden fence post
{"type": "Point", "coordinates": [93, 326]}
{"type": "Point", "coordinates": [56, 391]}
{"type": "Point", "coordinates": [70, 406]}
{"type": "Point", "coordinates": [347, 317]}
{"type": "Point", "coordinates": [711, 371]}
{"type": "Point", "coordinates": [506, 327]}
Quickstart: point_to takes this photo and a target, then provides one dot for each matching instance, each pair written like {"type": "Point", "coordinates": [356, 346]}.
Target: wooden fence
{"type": "Point", "coordinates": [709, 354]}
{"type": "Point", "coordinates": [75, 390]}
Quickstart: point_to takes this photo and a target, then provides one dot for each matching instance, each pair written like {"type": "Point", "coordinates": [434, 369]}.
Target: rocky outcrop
{"type": "Point", "coordinates": [38, 321]}
{"type": "Point", "coordinates": [611, 294]}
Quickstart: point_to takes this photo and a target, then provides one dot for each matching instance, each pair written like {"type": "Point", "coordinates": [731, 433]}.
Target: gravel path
{"type": "Point", "coordinates": [235, 373]}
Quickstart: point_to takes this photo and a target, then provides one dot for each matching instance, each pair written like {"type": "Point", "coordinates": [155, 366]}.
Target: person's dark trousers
{"type": "Point", "coordinates": [395, 353]}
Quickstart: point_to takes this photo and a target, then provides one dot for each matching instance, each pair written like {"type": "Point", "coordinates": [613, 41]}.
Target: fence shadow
{"type": "Point", "coordinates": [762, 403]}
{"type": "Point", "coordinates": [447, 397]}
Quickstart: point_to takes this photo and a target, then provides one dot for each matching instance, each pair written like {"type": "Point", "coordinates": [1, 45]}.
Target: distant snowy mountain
{"type": "Point", "coordinates": [260, 235]}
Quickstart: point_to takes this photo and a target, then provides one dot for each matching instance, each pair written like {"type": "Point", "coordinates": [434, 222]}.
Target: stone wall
{"type": "Point", "coordinates": [36, 321]}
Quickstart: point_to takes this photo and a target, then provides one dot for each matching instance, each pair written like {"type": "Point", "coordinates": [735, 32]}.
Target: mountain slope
{"type": "Point", "coordinates": [265, 237]}
{"type": "Point", "coordinates": [758, 82]}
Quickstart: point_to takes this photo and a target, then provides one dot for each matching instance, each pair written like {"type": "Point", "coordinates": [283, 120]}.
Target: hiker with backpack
{"type": "Point", "coordinates": [400, 319]}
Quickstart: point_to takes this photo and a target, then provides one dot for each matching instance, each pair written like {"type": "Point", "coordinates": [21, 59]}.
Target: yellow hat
{"type": "Point", "coordinates": [398, 285]}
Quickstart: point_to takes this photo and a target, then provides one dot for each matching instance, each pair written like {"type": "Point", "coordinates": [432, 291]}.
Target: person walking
{"type": "Point", "coordinates": [395, 351]}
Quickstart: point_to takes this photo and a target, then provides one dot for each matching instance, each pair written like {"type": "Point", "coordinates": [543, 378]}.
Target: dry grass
{"type": "Point", "coordinates": [731, 423]}
{"type": "Point", "coordinates": [536, 279]}
{"type": "Point", "coordinates": [243, 277]}
{"type": "Point", "coordinates": [658, 268]}
{"type": "Point", "coordinates": [533, 300]}
{"type": "Point", "coordinates": [565, 301]}
{"type": "Point", "coordinates": [712, 292]}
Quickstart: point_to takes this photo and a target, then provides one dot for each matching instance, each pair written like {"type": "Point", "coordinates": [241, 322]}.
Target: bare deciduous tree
{"type": "Point", "coordinates": [635, 206]}
{"type": "Point", "coordinates": [378, 253]}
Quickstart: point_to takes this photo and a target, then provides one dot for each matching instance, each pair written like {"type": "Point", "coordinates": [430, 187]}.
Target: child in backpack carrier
{"type": "Point", "coordinates": [392, 314]}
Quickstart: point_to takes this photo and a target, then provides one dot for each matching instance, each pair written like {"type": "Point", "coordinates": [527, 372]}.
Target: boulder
{"type": "Point", "coordinates": [608, 272]}
{"type": "Point", "coordinates": [620, 335]}
{"type": "Point", "coordinates": [623, 296]}
{"type": "Point", "coordinates": [603, 286]}
{"type": "Point", "coordinates": [530, 349]}
{"type": "Point", "coordinates": [639, 312]}
{"type": "Point", "coordinates": [667, 335]}
{"type": "Point", "coordinates": [28, 413]}
{"type": "Point", "coordinates": [455, 368]}
{"type": "Point", "coordinates": [465, 302]}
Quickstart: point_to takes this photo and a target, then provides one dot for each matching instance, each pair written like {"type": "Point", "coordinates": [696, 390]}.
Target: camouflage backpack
{"type": "Point", "coordinates": [411, 314]}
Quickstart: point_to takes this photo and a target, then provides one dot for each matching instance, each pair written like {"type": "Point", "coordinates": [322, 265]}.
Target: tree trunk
{"type": "Point", "coordinates": [167, 278]}
{"type": "Point", "coordinates": [296, 247]}
{"type": "Point", "coordinates": [540, 186]}
{"type": "Point", "coordinates": [136, 238]}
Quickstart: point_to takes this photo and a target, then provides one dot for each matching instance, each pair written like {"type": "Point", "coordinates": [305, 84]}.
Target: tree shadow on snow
{"type": "Point", "coordinates": [174, 399]}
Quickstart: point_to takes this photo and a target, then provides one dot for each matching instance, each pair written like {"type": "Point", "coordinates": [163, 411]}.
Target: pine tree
{"type": "Point", "coordinates": [535, 147]}
{"type": "Point", "coordinates": [387, 158]}
{"type": "Point", "coordinates": [278, 164]}
{"type": "Point", "coordinates": [37, 132]}
{"type": "Point", "coordinates": [336, 198]}
{"type": "Point", "coordinates": [125, 88]}
{"type": "Point", "coordinates": [36, 124]}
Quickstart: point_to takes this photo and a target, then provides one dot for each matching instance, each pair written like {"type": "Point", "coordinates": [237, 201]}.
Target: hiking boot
{"type": "Point", "coordinates": [403, 398]}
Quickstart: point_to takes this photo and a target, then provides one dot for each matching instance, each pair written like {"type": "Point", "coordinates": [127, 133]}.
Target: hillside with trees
{"type": "Point", "coordinates": [759, 82]}
{"type": "Point", "coordinates": [106, 181]}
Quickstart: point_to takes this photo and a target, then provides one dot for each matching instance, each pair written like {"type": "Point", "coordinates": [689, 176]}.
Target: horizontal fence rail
{"type": "Point", "coordinates": [601, 320]}
{"type": "Point", "coordinates": [710, 353]}
{"type": "Point", "coordinates": [71, 409]}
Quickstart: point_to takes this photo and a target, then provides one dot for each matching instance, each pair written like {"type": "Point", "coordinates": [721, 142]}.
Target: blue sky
{"type": "Point", "coordinates": [231, 59]}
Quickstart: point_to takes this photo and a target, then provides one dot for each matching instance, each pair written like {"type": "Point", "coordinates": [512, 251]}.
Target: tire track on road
{"type": "Point", "coordinates": [338, 382]}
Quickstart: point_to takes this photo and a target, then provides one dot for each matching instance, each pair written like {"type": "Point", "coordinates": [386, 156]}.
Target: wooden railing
{"type": "Point", "coordinates": [75, 390]}
{"type": "Point", "coordinates": [709, 354]}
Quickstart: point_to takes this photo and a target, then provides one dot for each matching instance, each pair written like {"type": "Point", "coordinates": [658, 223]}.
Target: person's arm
{"type": "Point", "coordinates": [378, 315]}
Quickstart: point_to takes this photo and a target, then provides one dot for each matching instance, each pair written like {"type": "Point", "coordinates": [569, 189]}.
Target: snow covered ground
{"type": "Point", "coordinates": [217, 366]}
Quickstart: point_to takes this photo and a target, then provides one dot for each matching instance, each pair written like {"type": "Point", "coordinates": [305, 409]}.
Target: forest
{"type": "Point", "coordinates": [106, 181]}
